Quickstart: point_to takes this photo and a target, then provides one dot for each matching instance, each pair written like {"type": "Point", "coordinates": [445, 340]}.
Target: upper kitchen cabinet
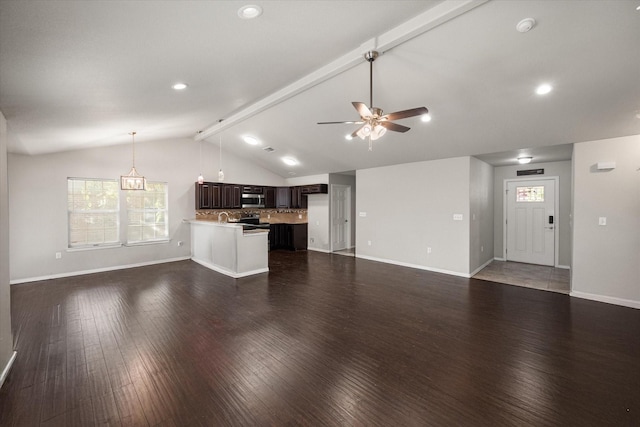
{"type": "Point", "coordinates": [232, 196]}
{"type": "Point", "coordinates": [298, 200]}
{"type": "Point", "coordinates": [283, 197]}
{"type": "Point", "coordinates": [269, 197]}
{"type": "Point", "coordinates": [208, 196]}
{"type": "Point", "coordinates": [315, 189]}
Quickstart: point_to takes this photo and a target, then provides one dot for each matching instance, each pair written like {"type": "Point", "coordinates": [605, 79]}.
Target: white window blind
{"type": "Point", "coordinates": [147, 213]}
{"type": "Point", "coordinates": [93, 210]}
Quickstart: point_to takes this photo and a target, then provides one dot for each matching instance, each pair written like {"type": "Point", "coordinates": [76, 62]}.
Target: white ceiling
{"type": "Point", "coordinates": [83, 74]}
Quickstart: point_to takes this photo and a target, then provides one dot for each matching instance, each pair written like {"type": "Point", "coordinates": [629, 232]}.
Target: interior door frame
{"type": "Point", "coordinates": [556, 232]}
{"type": "Point", "coordinates": [348, 214]}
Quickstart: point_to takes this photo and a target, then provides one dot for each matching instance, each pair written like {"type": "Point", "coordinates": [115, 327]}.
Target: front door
{"type": "Point", "coordinates": [340, 213]}
{"type": "Point", "coordinates": [531, 221]}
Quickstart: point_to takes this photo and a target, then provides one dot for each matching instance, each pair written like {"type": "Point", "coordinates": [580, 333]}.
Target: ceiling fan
{"type": "Point", "coordinates": [374, 123]}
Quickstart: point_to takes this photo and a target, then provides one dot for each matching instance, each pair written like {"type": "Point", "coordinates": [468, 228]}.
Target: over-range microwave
{"type": "Point", "coordinates": [252, 200]}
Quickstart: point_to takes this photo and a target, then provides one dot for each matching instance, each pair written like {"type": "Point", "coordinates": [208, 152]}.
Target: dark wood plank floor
{"type": "Point", "coordinates": [320, 340]}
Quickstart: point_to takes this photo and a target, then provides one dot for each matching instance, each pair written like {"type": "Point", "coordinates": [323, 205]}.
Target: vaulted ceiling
{"type": "Point", "coordinates": [77, 74]}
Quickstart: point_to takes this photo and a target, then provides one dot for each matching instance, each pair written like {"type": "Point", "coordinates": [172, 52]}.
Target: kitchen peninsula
{"type": "Point", "coordinates": [229, 249]}
{"type": "Point", "coordinates": [273, 217]}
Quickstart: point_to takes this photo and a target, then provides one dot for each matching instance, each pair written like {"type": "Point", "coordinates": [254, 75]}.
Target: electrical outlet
{"type": "Point", "coordinates": [299, 216]}
{"type": "Point", "coordinates": [369, 242]}
{"type": "Point", "coordinates": [602, 220]}
{"type": "Point", "coordinates": [180, 243]}
{"type": "Point", "coordinates": [312, 240]}
{"type": "Point", "coordinates": [457, 217]}
{"type": "Point", "coordinates": [481, 248]}
{"type": "Point", "coordinates": [58, 255]}
{"type": "Point", "coordinates": [268, 216]}
{"type": "Point", "coordinates": [428, 250]}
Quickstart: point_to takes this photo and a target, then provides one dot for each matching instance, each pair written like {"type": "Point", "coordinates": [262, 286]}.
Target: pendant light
{"type": "Point", "coordinates": [133, 180]}
{"type": "Point", "coordinates": [200, 177]}
{"type": "Point", "coordinates": [220, 172]}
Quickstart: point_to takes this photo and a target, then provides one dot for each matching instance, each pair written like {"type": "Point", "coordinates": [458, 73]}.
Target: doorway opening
{"type": "Point", "coordinates": [341, 221]}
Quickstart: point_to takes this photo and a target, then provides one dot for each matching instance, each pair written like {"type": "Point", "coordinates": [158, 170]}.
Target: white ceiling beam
{"type": "Point", "coordinates": [420, 24]}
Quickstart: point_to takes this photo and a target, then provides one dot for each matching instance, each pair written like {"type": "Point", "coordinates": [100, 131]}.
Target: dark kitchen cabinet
{"type": "Point", "coordinates": [208, 196]}
{"type": "Point", "coordinates": [288, 236]}
{"type": "Point", "coordinates": [252, 189]}
{"type": "Point", "coordinates": [231, 196]}
{"type": "Point", "coordinates": [283, 197]}
{"type": "Point", "coordinates": [298, 200]}
{"type": "Point", "coordinates": [269, 197]}
{"type": "Point", "coordinates": [315, 189]}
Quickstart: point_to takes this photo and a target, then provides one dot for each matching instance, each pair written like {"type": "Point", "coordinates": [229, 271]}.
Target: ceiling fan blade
{"type": "Point", "coordinates": [394, 127]}
{"type": "Point", "coordinates": [362, 108]}
{"type": "Point", "coordinates": [405, 114]}
{"type": "Point", "coordinates": [339, 123]}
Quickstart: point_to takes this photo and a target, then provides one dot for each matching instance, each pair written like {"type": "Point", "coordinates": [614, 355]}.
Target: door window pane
{"type": "Point", "coordinates": [530, 194]}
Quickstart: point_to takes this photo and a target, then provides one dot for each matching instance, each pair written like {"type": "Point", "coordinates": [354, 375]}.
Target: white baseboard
{"type": "Point", "coordinates": [7, 368]}
{"type": "Point", "coordinates": [564, 267]}
{"type": "Point", "coordinates": [228, 272]}
{"type": "Point", "coordinates": [97, 270]}
{"type": "Point", "coordinates": [419, 267]}
{"type": "Point", "coordinates": [499, 259]}
{"type": "Point", "coordinates": [326, 251]}
{"type": "Point", "coordinates": [609, 300]}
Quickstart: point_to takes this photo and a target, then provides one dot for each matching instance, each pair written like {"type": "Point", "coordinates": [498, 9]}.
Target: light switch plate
{"type": "Point", "coordinates": [602, 220]}
{"type": "Point", "coordinates": [363, 214]}
{"type": "Point", "coordinates": [457, 217]}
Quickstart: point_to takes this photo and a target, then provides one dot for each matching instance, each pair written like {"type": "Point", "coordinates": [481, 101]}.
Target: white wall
{"type": "Point", "coordinates": [38, 202]}
{"type": "Point", "coordinates": [6, 338]}
{"type": "Point", "coordinates": [481, 214]}
{"type": "Point", "coordinates": [560, 169]}
{"type": "Point", "coordinates": [606, 259]}
{"type": "Point", "coordinates": [410, 207]}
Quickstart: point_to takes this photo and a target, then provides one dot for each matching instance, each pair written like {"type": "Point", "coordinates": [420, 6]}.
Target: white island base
{"type": "Point", "coordinates": [227, 249]}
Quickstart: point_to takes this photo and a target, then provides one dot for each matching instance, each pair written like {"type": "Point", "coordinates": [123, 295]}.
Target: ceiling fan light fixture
{"type": "Point", "coordinates": [378, 131]}
{"type": "Point", "coordinates": [364, 131]}
{"type": "Point", "coordinates": [426, 118]}
{"type": "Point", "coordinates": [348, 137]}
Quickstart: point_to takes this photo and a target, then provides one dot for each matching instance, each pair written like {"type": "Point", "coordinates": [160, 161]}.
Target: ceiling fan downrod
{"type": "Point", "coordinates": [371, 56]}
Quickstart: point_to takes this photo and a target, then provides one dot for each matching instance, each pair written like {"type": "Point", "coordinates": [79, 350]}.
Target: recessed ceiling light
{"type": "Point", "coordinates": [637, 7]}
{"type": "Point", "coordinates": [525, 25]}
{"type": "Point", "coordinates": [524, 160]}
{"type": "Point", "coordinates": [290, 161]}
{"type": "Point", "coordinates": [249, 11]}
{"type": "Point", "coordinates": [179, 86]}
{"type": "Point", "coordinates": [543, 89]}
{"type": "Point", "coordinates": [250, 140]}
{"type": "Point", "coordinates": [426, 118]}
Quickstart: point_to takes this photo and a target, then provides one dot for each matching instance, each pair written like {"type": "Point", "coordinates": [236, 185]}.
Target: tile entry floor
{"type": "Point", "coordinates": [526, 275]}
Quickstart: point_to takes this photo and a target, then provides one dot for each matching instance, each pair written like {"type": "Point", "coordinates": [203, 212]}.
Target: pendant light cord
{"type": "Point", "coordinates": [133, 146]}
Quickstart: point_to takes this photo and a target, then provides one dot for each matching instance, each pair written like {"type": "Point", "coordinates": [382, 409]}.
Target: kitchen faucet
{"type": "Point", "coordinates": [220, 215]}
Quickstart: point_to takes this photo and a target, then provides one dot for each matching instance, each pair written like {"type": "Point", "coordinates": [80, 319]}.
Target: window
{"type": "Point", "coordinates": [93, 209]}
{"type": "Point", "coordinates": [147, 214]}
{"type": "Point", "coordinates": [530, 194]}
